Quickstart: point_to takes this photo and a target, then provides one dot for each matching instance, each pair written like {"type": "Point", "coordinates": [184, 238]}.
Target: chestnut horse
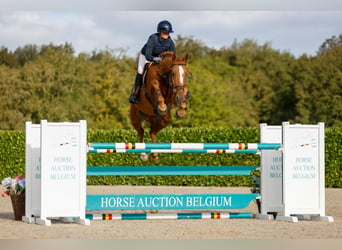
{"type": "Point", "coordinates": [164, 87]}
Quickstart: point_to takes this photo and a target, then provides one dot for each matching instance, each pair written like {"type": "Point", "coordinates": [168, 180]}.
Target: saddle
{"type": "Point", "coordinates": [144, 74]}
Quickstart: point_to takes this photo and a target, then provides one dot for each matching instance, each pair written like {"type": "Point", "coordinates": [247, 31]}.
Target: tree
{"type": "Point", "coordinates": [319, 91]}
{"type": "Point", "coordinates": [7, 58]}
{"type": "Point", "coordinates": [195, 48]}
{"type": "Point", "coordinates": [26, 53]}
{"type": "Point", "coordinates": [330, 44]}
{"type": "Point", "coordinates": [238, 85]}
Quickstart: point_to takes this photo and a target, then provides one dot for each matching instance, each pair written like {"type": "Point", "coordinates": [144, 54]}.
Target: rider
{"type": "Point", "coordinates": [156, 44]}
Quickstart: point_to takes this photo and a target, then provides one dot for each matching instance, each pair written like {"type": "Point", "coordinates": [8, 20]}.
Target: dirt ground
{"type": "Point", "coordinates": [177, 229]}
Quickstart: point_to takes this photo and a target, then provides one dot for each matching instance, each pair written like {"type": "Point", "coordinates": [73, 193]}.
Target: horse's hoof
{"type": "Point", "coordinates": [143, 156]}
{"type": "Point", "coordinates": [154, 159]}
{"type": "Point", "coordinates": [180, 114]}
{"type": "Point", "coordinates": [162, 109]}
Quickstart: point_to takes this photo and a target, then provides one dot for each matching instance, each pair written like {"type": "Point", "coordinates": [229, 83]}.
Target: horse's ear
{"type": "Point", "coordinates": [186, 57]}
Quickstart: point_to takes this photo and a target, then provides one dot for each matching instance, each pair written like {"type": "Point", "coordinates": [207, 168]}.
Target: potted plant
{"type": "Point", "coordinates": [15, 188]}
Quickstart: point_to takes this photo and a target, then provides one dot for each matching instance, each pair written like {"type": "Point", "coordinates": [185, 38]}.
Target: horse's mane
{"type": "Point", "coordinates": [173, 56]}
{"type": "Point", "coordinates": [167, 54]}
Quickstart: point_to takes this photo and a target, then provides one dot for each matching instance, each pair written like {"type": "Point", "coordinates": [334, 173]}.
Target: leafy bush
{"type": "Point", "coordinates": [12, 153]}
{"type": "Point", "coordinates": [333, 157]}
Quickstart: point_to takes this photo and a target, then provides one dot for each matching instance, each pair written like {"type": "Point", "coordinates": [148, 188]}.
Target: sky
{"type": "Point", "coordinates": [298, 29]}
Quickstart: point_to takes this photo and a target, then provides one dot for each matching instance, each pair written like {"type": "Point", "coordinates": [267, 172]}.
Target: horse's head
{"type": "Point", "coordinates": [175, 71]}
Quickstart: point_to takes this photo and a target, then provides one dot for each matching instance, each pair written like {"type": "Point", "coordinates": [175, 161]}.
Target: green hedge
{"type": "Point", "coordinates": [333, 157]}
{"type": "Point", "coordinates": [12, 156]}
{"type": "Point", "coordinates": [12, 153]}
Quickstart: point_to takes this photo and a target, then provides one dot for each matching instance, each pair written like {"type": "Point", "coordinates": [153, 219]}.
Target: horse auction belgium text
{"type": "Point", "coordinates": [164, 202]}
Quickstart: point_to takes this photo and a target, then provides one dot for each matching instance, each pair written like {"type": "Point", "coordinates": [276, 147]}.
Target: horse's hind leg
{"type": "Point", "coordinates": [153, 134]}
{"type": "Point", "coordinates": [140, 130]}
{"type": "Point", "coordinates": [157, 125]}
{"type": "Point", "coordinates": [137, 124]}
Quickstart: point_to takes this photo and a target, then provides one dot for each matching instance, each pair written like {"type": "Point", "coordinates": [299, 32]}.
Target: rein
{"type": "Point", "coordinates": [149, 99]}
{"type": "Point", "coordinates": [155, 108]}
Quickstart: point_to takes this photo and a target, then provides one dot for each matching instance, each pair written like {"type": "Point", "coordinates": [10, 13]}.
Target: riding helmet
{"type": "Point", "coordinates": [165, 26]}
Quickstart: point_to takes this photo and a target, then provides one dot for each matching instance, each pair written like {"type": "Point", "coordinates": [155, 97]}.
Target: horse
{"type": "Point", "coordinates": [164, 87]}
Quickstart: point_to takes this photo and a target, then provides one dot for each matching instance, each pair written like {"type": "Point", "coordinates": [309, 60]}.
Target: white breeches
{"type": "Point", "coordinates": [141, 63]}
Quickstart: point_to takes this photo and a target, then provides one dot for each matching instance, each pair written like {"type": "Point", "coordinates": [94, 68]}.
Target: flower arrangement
{"type": "Point", "coordinates": [13, 185]}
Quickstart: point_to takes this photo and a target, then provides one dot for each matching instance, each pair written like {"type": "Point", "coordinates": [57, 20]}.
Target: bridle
{"type": "Point", "coordinates": [174, 88]}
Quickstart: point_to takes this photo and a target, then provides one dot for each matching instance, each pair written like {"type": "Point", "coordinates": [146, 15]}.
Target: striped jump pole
{"type": "Point", "coordinates": [202, 151]}
{"type": "Point", "coordinates": [179, 202]}
{"type": "Point", "coordinates": [168, 170]}
{"type": "Point", "coordinates": [170, 216]}
{"type": "Point", "coordinates": [184, 146]}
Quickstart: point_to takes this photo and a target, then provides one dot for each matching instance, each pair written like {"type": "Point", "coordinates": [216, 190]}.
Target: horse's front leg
{"type": "Point", "coordinates": [181, 99]}
{"type": "Point", "coordinates": [181, 111]}
{"type": "Point", "coordinates": [162, 107]}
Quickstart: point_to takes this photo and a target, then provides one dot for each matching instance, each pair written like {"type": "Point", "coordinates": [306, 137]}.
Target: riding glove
{"type": "Point", "coordinates": [157, 59]}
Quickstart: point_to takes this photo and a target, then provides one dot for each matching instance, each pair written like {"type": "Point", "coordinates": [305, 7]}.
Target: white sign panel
{"type": "Point", "coordinates": [271, 171]}
{"type": "Point", "coordinates": [303, 186]}
{"type": "Point", "coordinates": [63, 170]}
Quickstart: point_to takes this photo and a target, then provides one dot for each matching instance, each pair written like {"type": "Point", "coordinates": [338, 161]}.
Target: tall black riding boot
{"type": "Point", "coordinates": [134, 98]}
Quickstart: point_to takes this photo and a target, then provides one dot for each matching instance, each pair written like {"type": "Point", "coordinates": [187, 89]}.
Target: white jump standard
{"type": "Point", "coordinates": [292, 180]}
{"type": "Point", "coordinates": [292, 176]}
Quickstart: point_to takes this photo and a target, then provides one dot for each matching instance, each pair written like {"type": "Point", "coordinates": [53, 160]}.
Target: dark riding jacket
{"type": "Point", "coordinates": [156, 45]}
